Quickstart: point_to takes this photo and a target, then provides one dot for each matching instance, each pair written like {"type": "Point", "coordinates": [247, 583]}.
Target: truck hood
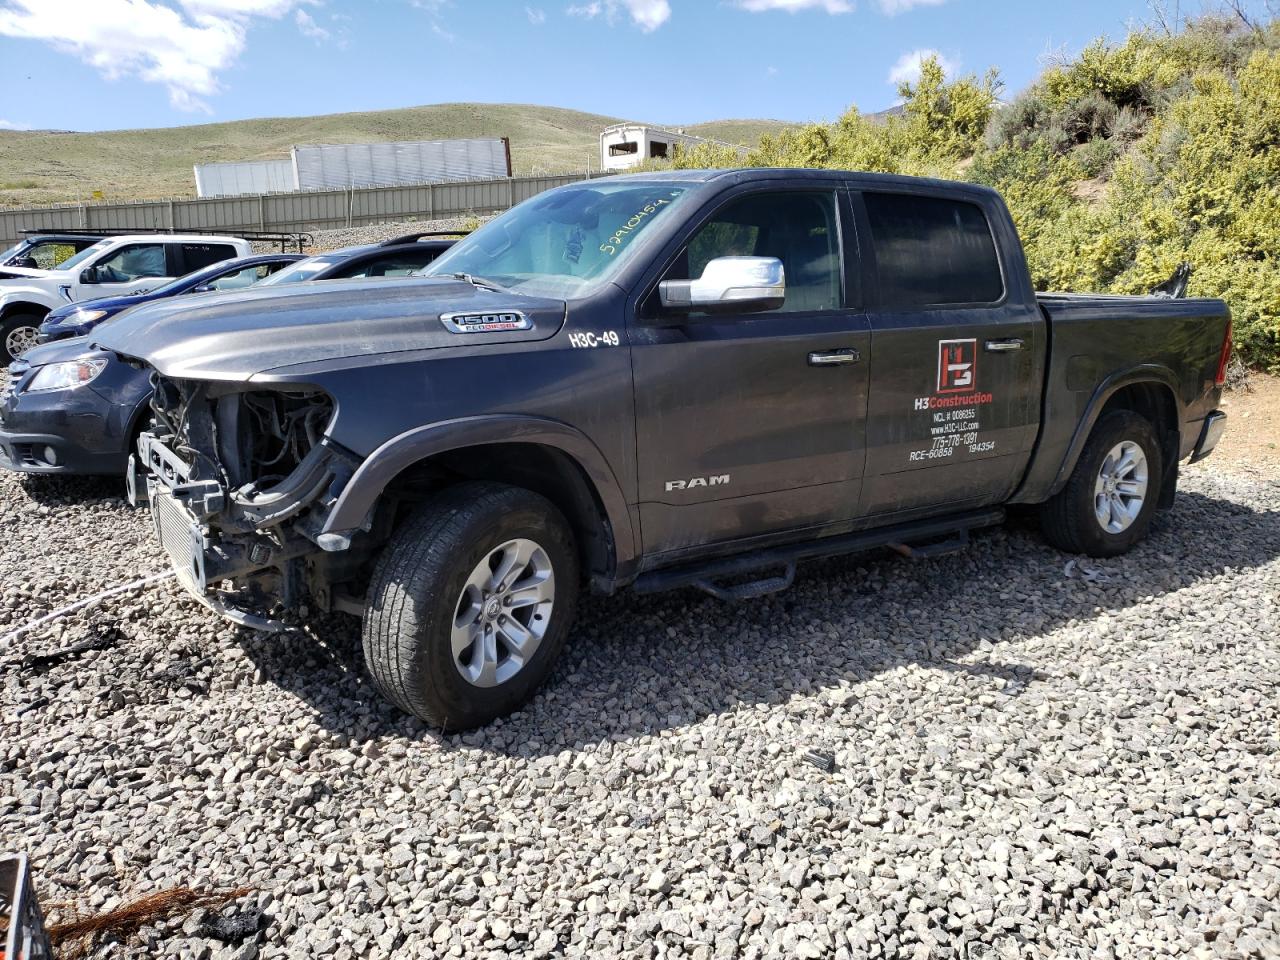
{"type": "Point", "coordinates": [19, 274]}
{"type": "Point", "coordinates": [233, 336]}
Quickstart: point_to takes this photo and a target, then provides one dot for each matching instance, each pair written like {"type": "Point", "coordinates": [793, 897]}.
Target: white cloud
{"type": "Point", "coordinates": [907, 69]}
{"type": "Point", "coordinates": [648, 15]}
{"type": "Point", "coordinates": [10, 125]}
{"type": "Point", "coordinates": [895, 7]}
{"type": "Point", "coordinates": [434, 10]}
{"type": "Point", "coordinates": [183, 47]}
{"type": "Point", "coordinates": [309, 27]}
{"type": "Point", "coordinates": [537, 17]}
{"type": "Point", "coordinates": [795, 6]}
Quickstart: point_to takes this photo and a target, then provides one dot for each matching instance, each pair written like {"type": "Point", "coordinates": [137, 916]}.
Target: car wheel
{"type": "Point", "coordinates": [470, 604]}
{"type": "Point", "coordinates": [1107, 505]}
{"type": "Point", "coordinates": [17, 335]}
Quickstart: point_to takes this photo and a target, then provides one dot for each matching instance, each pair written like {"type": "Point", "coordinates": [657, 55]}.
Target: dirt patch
{"type": "Point", "coordinates": [1252, 439]}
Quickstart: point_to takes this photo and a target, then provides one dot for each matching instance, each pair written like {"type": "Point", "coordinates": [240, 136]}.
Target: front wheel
{"type": "Point", "coordinates": [470, 604]}
{"type": "Point", "coordinates": [1107, 505]}
{"type": "Point", "coordinates": [18, 334]}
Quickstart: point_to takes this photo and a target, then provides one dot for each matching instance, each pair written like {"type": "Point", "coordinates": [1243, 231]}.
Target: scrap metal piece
{"type": "Point", "coordinates": [25, 935]}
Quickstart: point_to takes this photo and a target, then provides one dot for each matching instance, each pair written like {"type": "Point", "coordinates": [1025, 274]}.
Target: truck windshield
{"type": "Point", "coordinates": [565, 243]}
{"type": "Point", "coordinates": [15, 250]}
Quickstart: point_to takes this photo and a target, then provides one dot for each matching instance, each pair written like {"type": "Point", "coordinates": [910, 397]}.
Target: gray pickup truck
{"type": "Point", "coordinates": [654, 381]}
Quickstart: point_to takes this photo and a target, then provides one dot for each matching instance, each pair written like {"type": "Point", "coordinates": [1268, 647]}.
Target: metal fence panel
{"type": "Point", "coordinates": [304, 212]}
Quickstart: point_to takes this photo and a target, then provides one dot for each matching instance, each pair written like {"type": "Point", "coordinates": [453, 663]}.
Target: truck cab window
{"type": "Point", "coordinates": [132, 263]}
{"type": "Point", "coordinates": [931, 251]}
{"type": "Point", "coordinates": [800, 229]}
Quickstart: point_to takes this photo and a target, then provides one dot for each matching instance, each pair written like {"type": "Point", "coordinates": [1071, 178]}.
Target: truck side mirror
{"type": "Point", "coordinates": [728, 285]}
{"type": "Point", "coordinates": [27, 263]}
{"type": "Point", "coordinates": [89, 275]}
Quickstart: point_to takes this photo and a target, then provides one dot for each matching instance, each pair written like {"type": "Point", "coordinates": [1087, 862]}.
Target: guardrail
{"type": "Point", "coordinates": [286, 212]}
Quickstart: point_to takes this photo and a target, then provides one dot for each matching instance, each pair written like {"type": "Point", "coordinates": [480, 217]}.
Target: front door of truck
{"type": "Point", "coordinates": [751, 425]}
{"type": "Point", "coordinates": [129, 269]}
{"type": "Point", "coordinates": [956, 355]}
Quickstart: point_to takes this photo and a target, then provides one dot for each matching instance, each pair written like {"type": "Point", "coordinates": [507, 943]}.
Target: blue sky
{"type": "Point", "coordinates": [109, 64]}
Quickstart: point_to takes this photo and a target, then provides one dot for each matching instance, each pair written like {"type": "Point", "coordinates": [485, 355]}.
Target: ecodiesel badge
{"type": "Point", "coordinates": [485, 322]}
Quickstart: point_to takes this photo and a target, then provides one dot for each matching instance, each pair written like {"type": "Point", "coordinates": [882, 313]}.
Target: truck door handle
{"type": "Point", "coordinates": [1004, 346]}
{"type": "Point", "coordinates": [829, 358]}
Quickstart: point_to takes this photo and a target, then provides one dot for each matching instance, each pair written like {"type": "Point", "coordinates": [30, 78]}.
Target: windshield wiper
{"type": "Point", "coordinates": [480, 282]}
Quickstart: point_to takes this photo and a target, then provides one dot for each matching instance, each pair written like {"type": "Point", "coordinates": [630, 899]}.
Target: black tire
{"type": "Point", "coordinates": [8, 326]}
{"type": "Point", "coordinates": [1068, 520]}
{"type": "Point", "coordinates": [415, 592]}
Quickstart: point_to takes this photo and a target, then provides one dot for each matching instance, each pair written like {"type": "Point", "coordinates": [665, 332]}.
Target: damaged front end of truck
{"type": "Point", "coordinates": [240, 481]}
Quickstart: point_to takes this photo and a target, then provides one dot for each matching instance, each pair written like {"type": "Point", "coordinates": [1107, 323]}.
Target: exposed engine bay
{"type": "Point", "coordinates": [240, 482]}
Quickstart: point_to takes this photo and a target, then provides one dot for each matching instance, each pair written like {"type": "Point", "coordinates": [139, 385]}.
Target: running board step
{"type": "Point", "coordinates": [930, 550]}
{"type": "Point", "coordinates": [703, 574]}
{"type": "Point", "coordinates": [752, 590]}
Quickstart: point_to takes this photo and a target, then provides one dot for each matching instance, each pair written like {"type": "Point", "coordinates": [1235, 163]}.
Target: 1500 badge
{"type": "Point", "coordinates": [485, 322]}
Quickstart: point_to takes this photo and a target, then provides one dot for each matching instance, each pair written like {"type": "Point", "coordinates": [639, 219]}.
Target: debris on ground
{"type": "Point", "coordinates": [81, 935]}
{"type": "Point", "coordinates": [824, 761]}
{"type": "Point", "coordinates": [101, 637]}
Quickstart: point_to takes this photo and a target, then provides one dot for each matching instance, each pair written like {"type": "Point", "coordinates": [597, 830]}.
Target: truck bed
{"type": "Point", "coordinates": [1098, 343]}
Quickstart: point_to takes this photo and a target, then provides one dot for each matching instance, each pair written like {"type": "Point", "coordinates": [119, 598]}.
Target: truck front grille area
{"type": "Point", "coordinates": [173, 527]}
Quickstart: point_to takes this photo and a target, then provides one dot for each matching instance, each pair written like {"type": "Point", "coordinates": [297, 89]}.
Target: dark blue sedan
{"type": "Point", "coordinates": [77, 319]}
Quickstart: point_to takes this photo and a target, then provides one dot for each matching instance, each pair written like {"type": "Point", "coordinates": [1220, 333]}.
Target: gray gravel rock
{"type": "Point", "coordinates": [1029, 760]}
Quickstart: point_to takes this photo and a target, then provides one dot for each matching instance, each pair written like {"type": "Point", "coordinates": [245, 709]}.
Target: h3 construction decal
{"type": "Point", "coordinates": [957, 365]}
{"type": "Point", "coordinates": [953, 407]}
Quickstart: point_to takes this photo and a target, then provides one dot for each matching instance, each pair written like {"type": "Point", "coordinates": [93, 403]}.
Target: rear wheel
{"type": "Point", "coordinates": [470, 605]}
{"type": "Point", "coordinates": [17, 335]}
{"type": "Point", "coordinates": [1107, 505]}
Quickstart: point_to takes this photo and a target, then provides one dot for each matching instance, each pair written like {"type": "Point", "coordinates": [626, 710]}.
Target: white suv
{"type": "Point", "coordinates": [112, 267]}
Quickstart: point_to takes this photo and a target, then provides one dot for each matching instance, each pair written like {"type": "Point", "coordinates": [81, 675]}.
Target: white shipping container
{"type": "Point", "coordinates": [238, 179]}
{"type": "Point", "coordinates": [344, 165]}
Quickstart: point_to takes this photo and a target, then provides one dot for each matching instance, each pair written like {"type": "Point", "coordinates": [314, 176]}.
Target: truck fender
{"type": "Point", "coordinates": [355, 504]}
{"type": "Point", "coordinates": [1113, 384]}
{"type": "Point", "coordinates": [24, 300]}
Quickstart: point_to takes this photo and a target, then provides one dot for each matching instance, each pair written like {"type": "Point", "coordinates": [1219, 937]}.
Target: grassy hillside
{"type": "Point", "coordinates": [41, 166]}
{"type": "Point", "coordinates": [1118, 164]}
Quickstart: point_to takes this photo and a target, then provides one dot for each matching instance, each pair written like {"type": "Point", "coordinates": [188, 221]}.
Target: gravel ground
{"type": "Point", "coordinates": [1031, 757]}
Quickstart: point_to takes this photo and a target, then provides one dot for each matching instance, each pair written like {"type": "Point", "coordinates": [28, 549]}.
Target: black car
{"type": "Point", "coordinates": [72, 408]}
{"type": "Point", "coordinates": [397, 257]}
{"type": "Point", "coordinates": [77, 319]}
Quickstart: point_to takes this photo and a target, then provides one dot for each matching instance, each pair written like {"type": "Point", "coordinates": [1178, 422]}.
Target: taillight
{"type": "Point", "coordinates": [1221, 376]}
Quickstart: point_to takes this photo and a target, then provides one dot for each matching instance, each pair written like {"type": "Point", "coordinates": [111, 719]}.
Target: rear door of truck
{"type": "Point", "coordinates": [957, 350]}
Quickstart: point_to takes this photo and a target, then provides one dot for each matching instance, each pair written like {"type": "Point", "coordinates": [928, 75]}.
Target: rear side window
{"type": "Point", "coordinates": [197, 256]}
{"type": "Point", "coordinates": [244, 277]}
{"type": "Point", "coordinates": [931, 251]}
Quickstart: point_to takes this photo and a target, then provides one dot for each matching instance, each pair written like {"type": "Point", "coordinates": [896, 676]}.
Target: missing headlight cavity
{"type": "Point", "coordinates": [263, 435]}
